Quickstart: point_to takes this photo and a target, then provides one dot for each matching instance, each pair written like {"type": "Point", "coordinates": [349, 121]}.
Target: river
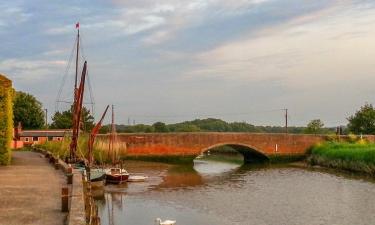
{"type": "Point", "coordinates": [223, 193]}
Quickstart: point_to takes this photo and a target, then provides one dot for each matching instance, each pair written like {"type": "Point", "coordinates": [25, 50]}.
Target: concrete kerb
{"type": "Point", "coordinates": [76, 215]}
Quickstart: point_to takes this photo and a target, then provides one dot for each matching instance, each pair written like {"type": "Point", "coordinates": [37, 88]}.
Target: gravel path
{"type": "Point", "coordinates": [30, 191]}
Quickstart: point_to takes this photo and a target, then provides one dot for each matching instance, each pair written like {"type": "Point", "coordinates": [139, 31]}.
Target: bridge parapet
{"type": "Point", "coordinates": [191, 145]}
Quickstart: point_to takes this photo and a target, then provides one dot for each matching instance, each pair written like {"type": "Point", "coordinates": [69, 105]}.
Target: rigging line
{"type": "Point", "coordinates": [83, 55]}
{"type": "Point", "coordinates": [91, 94]}
{"type": "Point", "coordinates": [64, 78]}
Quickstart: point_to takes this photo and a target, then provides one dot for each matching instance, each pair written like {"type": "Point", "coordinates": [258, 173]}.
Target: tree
{"type": "Point", "coordinates": [185, 128]}
{"type": "Point", "coordinates": [160, 127]}
{"type": "Point", "coordinates": [27, 111]}
{"type": "Point", "coordinates": [363, 121]}
{"type": "Point", "coordinates": [314, 127]}
{"type": "Point", "coordinates": [64, 120]}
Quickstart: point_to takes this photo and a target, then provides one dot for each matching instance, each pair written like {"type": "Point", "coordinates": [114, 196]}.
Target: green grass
{"type": "Point", "coordinates": [359, 157]}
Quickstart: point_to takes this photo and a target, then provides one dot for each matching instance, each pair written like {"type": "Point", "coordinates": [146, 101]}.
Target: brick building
{"type": "Point", "coordinates": [29, 137]}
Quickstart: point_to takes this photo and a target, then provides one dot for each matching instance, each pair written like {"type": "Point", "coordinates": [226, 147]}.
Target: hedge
{"type": "Point", "coordinates": [6, 119]}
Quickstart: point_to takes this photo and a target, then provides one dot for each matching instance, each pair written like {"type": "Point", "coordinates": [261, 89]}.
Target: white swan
{"type": "Point", "coordinates": [166, 222]}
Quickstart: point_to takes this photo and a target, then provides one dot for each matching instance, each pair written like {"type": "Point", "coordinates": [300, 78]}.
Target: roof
{"type": "Point", "coordinates": [44, 133]}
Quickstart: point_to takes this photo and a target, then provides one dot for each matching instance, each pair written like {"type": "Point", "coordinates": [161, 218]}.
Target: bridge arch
{"type": "Point", "coordinates": [250, 153]}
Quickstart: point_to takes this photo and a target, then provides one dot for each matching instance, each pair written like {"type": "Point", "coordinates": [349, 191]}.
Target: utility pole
{"type": "Point", "coordinates": [46, 118]}
{"type": "Point", "coordinates": [286, 121]}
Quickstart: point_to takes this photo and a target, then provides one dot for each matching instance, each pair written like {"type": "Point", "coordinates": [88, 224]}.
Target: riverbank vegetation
{"type": "Point", "coordinates": [353, 156]}
{"type": "Point", "coordinates": [100, 151]}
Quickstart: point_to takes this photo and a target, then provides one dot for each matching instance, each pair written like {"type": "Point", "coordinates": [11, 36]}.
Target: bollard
{"type": "Point", "coordinates": [56, 165]}
{"type": "Point", "coordinates": [70, 169]}
{"type": "Point", "coordinates": [65, 199]}
{"type": "Point", "coordinates": [69, 174]}
{"type": "Point", "coordinates": [69, 177]}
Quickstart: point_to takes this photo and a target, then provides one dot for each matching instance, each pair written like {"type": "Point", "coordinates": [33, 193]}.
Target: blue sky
{"type": "Point", "coordinates": [177, 60]}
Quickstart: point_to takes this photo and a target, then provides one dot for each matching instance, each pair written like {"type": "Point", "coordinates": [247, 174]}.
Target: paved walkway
{"type": "Point", "coordinates": [30, 191]}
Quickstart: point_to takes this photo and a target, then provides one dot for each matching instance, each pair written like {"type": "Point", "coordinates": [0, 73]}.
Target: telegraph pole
{"type": "Point", "coordinates": [46, 118]}
{"type": "Point", "coordinates": [286, 121]}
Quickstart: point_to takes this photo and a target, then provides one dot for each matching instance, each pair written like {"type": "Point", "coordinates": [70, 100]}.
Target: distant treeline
{"type": "Point", "coordinates": [207, 125]}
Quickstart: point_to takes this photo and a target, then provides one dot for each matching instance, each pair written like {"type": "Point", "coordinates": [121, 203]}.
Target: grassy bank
{"type": "Point", "coordinates": [358, 157]}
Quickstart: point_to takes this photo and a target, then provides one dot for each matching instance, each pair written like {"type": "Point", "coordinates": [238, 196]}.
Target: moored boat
{"type": "Point", "coordinates": [136, 178]}
{"type": "Point", "coordinates": [97, 178]}
{"type": "Point", "coordinates": [116, 175]}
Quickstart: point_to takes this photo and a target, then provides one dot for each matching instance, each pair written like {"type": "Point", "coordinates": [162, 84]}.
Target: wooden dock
{"type": "Point", "coordinates": [30, 191]}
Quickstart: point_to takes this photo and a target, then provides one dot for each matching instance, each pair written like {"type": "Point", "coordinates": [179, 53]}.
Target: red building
{"type": "Point", "coordinates": [29, 137]}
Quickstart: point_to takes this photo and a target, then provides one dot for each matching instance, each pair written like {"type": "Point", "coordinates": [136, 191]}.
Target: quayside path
{"type": "Point", "coordinates": [30, 191]}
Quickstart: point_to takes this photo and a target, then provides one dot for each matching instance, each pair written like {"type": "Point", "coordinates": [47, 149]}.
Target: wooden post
{"type": "Point", "coordinates": [65, 199]}
{"type": "Point", "coordinates": [69, 175]}
{"type": "Point", "coordinates": [56, 164]}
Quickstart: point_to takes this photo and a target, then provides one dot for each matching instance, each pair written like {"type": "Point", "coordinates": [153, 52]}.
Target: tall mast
{"type": "Point", "coordinates": [73, 145]}
{"type": "Point", "coordinates": [77, 55]}
{"type": "Point", "coordinates": [113, 130]}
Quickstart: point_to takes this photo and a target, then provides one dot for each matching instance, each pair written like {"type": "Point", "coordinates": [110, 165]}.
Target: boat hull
{"type": "Point", "coordinates": [117, 179]}
{"type": "Point", "coordinates": [97, 184]}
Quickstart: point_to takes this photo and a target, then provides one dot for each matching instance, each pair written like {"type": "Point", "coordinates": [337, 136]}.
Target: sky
{"type": "Point", "coordinates": [174, 60]}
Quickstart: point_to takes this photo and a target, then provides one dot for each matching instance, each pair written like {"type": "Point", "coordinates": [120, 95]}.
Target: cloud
{"type": "Point", "coordinates": [30, 70]}
{"type": "Point", "coordinates": [12, 16]}
{"type": "Point", "coordinates": [207, 52]}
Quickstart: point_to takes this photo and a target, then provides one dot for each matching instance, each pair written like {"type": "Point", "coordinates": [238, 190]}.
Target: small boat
{"type": "Point", "coordinates": [97, 178]}
{"type": "Point", "coordinates": [166, 222]}
{"type": "Point", "coordinates": [136, 178]}
{"type": "Point", "coordinates": [116, 175]}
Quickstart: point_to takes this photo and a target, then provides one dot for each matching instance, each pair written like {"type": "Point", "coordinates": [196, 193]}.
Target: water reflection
{"type": "Point", "coordinates": [215, 192]}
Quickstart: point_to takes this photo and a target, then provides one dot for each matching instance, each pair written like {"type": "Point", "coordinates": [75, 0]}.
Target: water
{"type": "Point", "coordinates": [220, 193]}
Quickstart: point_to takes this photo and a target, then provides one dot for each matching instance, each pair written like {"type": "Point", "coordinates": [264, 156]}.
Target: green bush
{"type": "Point", "coordinates": [6, 119]}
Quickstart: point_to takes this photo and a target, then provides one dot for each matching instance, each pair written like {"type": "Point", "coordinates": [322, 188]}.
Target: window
{"type": "Point", "coordinates": [50, 138]}
{"type": "Point", "coordinates": [27, 139]}
{"type": "Point", "coordinates": [58, 139]}
{"type": "Point", "coordinates": [35, 138]}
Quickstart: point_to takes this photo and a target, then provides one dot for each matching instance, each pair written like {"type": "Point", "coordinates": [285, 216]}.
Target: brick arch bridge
{"type": "Point", "coordinates": [190, 145]}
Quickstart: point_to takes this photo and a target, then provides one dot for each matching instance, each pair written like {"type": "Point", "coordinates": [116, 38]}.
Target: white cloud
{"type": "Point", "coordinates": [296, 52]}
{"type": "Point", "coordinates": [12, 15]}
{"type": "Point", "coordinates": [30, 70]}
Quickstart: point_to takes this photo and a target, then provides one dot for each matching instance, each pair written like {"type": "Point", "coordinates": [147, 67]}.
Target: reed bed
{"type": "Point", "coordinates": [100, 151]}
{"type": "Point", "coordinates": [358, 156]}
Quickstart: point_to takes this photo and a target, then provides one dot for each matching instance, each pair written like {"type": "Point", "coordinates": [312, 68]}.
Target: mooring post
{"type": "Point", "coordinates": [56, 163]}
{"type": "Point", "coordinates": [65, 199]}
{"type": "Point", "coordinates": [69, 174]}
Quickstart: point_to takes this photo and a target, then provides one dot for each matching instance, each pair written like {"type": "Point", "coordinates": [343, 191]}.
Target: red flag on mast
{"type": "Point", "coordinates": [77, 25]}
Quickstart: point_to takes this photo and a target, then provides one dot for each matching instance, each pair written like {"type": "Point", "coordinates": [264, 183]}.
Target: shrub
{"type": "Point", "coordinates": [6, 119]}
